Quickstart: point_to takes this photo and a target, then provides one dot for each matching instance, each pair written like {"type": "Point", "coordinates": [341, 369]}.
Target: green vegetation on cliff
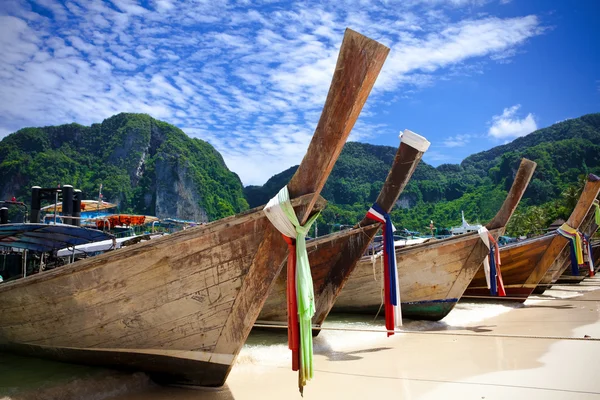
{"type": "Point", "coordinates": [145, 165]}
{"type": "Point", "coordinates": [564, 152]}
{"type": "Point", "coordinates": [148, 166]}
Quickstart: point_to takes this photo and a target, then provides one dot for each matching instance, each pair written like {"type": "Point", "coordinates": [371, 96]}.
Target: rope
{"type": "Point", "coordinates": [379, 331]}
{"type": "Point", "coordinates": [520, 298]}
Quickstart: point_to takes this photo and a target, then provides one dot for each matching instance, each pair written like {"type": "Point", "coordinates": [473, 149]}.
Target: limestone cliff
{"type": "Point", "coordinates": [146, 166]}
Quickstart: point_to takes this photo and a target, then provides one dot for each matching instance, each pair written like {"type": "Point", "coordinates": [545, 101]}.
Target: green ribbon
{"type": "Point", "coordinates": [597, 214]}
{"type": "Point", "coordinates": [304, 290]}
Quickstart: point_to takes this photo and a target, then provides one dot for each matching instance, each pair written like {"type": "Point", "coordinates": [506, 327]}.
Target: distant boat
{"type": "Point", "coordinates": [123, 220]}
{"type": "Point", "coordinates": [99, 247]}
{"type": "Point", "coordinates": [560, 271]}
{"type": "Point", "coordinates": [465, 227]}
{"type": "Point", "coordinates": [525, 263]}
{"type": "Point", "coordinates": [434, 275]}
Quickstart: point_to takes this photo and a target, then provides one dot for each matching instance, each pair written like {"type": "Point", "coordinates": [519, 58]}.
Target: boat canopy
{"type": "Point", "coordinates": [44, 237]}
{"type": "Point", "coordinates": [86, 205]}
{"type": "Point", "coordinates": [110, 221]}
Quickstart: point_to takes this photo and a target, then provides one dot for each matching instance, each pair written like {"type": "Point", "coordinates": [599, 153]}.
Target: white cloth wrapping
{"type": "Point", "coordinates": [483, 234]}
{"type": "Point", "coordinates": [274, 212]}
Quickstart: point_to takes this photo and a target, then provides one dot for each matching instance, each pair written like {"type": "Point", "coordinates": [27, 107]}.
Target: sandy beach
{"type": "Point", "coordinates": [547, 347]}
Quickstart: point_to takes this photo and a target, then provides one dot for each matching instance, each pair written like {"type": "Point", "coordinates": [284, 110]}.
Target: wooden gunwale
{"type": "Point", "coordinates": [204, 230]}
{"type": "Point", "coordinates": [229, 313]}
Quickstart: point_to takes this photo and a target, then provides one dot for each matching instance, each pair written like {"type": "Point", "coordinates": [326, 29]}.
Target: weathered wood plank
{"type": "Point", "coordinates": [522, 178]}
{"type": "Point", "coordinates": [422, 276]}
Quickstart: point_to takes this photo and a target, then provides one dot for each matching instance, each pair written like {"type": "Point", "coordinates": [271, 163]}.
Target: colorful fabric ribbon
{"type": "Point", "coordinates": [392, 304]}
{"type": "Point", "coordinates": [576, 246]}
{"type": "Point", "coordinates": [597, 213]}
{"type": "Point", "coordinates": [292, 305]}
{"type": "Point", "coordinates": [280, 212]}
{"type": "Point", "coordinates": [491, 264]}
{"type": "Point", "coordinates": [498, 283]}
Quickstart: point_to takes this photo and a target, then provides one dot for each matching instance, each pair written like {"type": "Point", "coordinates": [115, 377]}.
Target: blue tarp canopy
{"type": "Point", "coordinates": [44, 237]}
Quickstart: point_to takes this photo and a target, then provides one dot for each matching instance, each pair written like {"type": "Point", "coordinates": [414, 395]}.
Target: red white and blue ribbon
{"type": "Point", "coordinates": [497, 285]}
{"type": "Point", "coordinates": [393, 315]}
{"type": "Point", "coordinates": [491, 264]}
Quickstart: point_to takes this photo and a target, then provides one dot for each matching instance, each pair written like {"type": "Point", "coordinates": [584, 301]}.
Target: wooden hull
{"type": "Point", "coordinates": [165, 368]}
{"type": "Point", "coordinates": [432, 278]}
{"type": "Point", "coordinates": [562, 262]}
{"type": "Point", "coordinates": [562, 265]}
{"type": "Point", "coordinates": [525, 264]}
{"type": "Point", "coordinates": [567, 277]}
{"type": "Point", "coordinates": [518, 262]}
{"type": "Point", "coordinates": [170, 307]}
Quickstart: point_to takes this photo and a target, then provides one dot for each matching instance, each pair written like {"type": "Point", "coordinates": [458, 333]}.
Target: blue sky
{"type": "Point", "coordinates": [251, 77]}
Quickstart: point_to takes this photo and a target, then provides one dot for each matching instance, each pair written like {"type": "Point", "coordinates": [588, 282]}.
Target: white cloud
{"type": "Point", "coordinates": [436, 157]}
{"type": "Point", "coordinates": [250, 80]}
{"type": "Point", "coordinates": [508, 125]}
{"type": "Point", "coordinates": [457, 141]}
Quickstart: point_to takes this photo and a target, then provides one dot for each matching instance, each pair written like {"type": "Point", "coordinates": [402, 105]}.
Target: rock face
{"type": "Point", "coordinates": [146, 166]}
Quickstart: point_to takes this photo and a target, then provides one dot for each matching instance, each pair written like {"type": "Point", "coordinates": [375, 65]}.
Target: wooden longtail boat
{"type": "Point", "coordinates": [181, 307]}
{"type": "Point", "coordinates": [562, 265]}
{"type": "Point", "coordinates": [333, 257]}
{"type": "Point", "coordinates": [434, 275]}
{"type": "Point", "coordinates": [525, 263]}
{"type": "Point", "coordinates": [568, 278]}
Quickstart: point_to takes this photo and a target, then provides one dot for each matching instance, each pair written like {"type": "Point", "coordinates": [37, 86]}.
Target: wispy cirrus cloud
{"type": "Point", "coordinates": [251, 79]}
{"type": "Point", "coordinates": [458, 140]}
{"type": "Point", "coordinates": [434, 156]}
{"type": "Point", "coordinates": [509, 126]}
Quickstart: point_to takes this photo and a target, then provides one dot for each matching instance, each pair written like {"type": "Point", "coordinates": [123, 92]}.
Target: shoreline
{"type": "Point", "coordinates": [481, 350]}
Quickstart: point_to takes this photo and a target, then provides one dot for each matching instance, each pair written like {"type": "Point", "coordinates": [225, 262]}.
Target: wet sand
{"type": "Point", "coordinates": [480, 351]}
